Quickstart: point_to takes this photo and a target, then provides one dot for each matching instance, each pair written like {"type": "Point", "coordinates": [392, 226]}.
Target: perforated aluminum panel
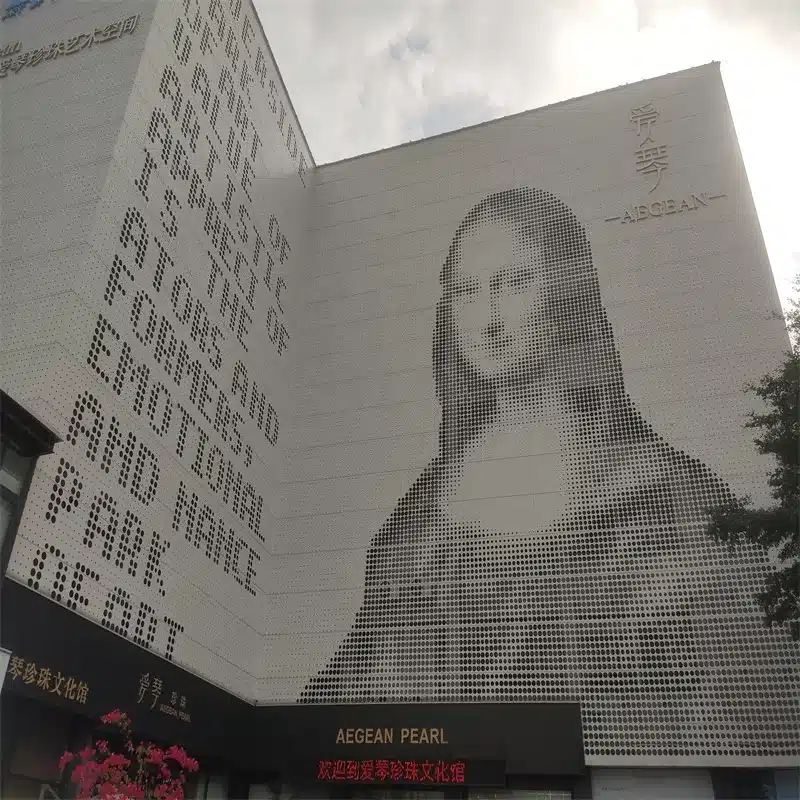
{"type": "Point", "coordinates": [435, 423]}
{"type": "Point", "coordinates": [155, 191]}
{"type": "Point", "coordinates": [516, 399]}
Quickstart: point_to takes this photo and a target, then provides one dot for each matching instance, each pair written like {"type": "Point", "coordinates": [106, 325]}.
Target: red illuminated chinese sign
{"type": "Point", "coordinates": [379, 771]}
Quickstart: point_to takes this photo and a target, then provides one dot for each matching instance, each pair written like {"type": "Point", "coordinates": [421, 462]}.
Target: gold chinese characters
{"type": "Point", "coordinates": [151, 689]}
{"type": "Point", "coordinates": [46, 680]}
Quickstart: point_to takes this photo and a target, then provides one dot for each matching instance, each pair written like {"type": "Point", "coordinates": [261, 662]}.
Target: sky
{"type": "Point", "coordinates": [369, 74]}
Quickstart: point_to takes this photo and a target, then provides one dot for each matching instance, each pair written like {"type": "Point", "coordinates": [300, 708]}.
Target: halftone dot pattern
{"type": "Point", "coordinates": [587, 575]}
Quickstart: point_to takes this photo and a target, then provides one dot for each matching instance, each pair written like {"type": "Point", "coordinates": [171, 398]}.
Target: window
{"type": "Point", "coordinates": [22, 440]}
{"type": "Point", "coordinates": [14, 470]}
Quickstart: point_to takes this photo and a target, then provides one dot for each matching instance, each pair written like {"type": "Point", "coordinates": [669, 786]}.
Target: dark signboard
{"type": "Point", "coordinates": [61, 658]}
{"type": "Point", "coordinates": [526, 738]}
{"type": "Point", "coordinates": [413, 772]}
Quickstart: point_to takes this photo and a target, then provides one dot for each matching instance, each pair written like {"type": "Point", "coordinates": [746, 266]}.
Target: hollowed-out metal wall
{"type": "Point", "coordinates": [436, 423]}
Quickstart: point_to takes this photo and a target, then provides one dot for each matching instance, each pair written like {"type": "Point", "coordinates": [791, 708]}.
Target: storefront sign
{"type": "Point", "coordinates": [69, 661]}
{"type": "Point", "coordinates": [475, 744]}
{"type": "Point", "coordinates": [44, 679]}
{"type": "Point", "coordinates": [411, 772]}
{"type": "Point", "coordinates": [383, 771]}
{"type": "Point", "coordinates": [67, 47]}
{"type": "Point", "coordinates": [151, 690]}
{"type": "Point", "coordinates": [387, 736]}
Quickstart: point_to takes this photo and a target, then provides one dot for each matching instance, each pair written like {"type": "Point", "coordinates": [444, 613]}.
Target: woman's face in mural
{"type": "Point", "coordinates": [498, 298]}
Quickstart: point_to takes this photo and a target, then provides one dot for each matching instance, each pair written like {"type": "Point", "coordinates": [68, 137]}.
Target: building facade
{"type": "Point", "coordinates": [398, 461]}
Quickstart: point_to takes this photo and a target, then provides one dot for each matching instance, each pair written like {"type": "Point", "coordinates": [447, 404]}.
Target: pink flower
{"type": "Point", "coordinates": [87, 776]}
{"type": "Point", "coordinates": [177, 753]}
{"type": "Point", "coordinates": [64, 760]}
{"type": "Point", "coordinates": [169, 791]}
{"type": "Point", "coordinates": [108, 791]}
{"type": "Point", "coordinates": [108, 776]}
{"type": "Point", "coordinates": [87, 753]}
{"type": "Point", "coordinates": [116, 761]}
{"type": "Point", "coordinates": [131, 791]}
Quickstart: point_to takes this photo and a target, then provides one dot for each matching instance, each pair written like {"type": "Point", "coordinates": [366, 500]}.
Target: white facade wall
{"type": "Point", "coordinates": [167, 375]}
{"type": "Point", "coordinates": [143, 175]}
{"type": "Point", "coordinates": [690, 300]}
{"type": "Point", "coordinates": [61, 118]}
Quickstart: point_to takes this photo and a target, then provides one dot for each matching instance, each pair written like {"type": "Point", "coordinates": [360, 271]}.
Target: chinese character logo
{"type": "Point", "coordinates": [644, 117]}
{"type": "Point", "coordinates": [652, 161]}
{"type": "Point", "coordinates": [157, 687]}
{"type": "Point", "coordinates": [651, 158]}
{"type": "Point", "coordinates": [144, 685]}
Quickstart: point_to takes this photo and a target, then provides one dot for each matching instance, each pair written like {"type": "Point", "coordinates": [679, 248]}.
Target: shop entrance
{"type": "Point", "coordinates": [394, 793]}
{"type": "Point", "coordinates": [402, 793]}
{"type": "Point", "coordinates": [460, 794]}
{"type": "Point", "coordinates": [362, 793]}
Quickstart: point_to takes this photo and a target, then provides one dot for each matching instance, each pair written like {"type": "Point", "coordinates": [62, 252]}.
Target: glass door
{"type": "Point", "coordinates": [377, 793]}
{"type": "Point", "coordinates": [519, 794]}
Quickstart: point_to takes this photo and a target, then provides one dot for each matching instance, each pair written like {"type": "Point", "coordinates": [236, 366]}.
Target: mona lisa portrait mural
{"type": "Point", "coordinates": [433, 427]}
{"type": "Point", "coordinates": [588, 575]}
{"type": "Point", "coordinates": [522, 393]}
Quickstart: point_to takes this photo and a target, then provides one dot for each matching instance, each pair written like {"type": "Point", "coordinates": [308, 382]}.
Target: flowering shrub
{"type": "Point", "coordinates": [145, 772]}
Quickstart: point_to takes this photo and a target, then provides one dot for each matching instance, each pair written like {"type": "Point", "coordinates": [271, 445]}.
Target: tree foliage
{"type": "Point", "coordinates": [775, 529]}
